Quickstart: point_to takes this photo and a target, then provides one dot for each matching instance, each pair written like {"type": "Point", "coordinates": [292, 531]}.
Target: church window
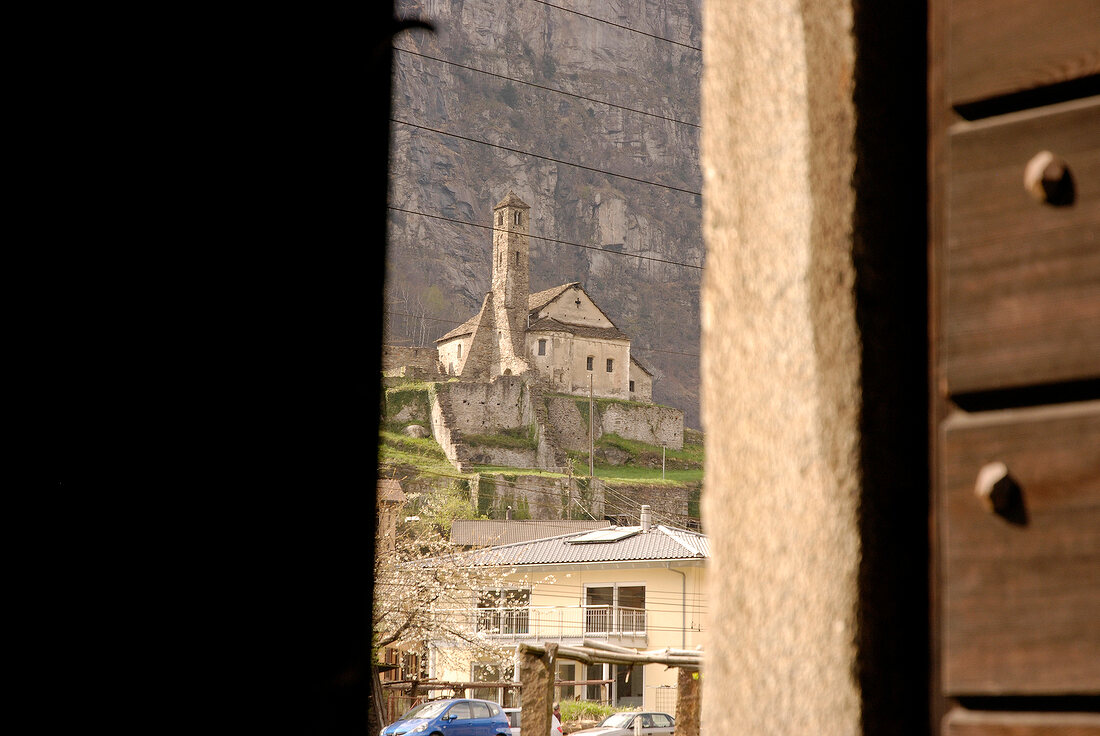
{"type": "Point", "coordinates": [589, 367]}
{"type": "Point", "coordinates": [517, 257]}
{"type": "Point", "coordinates": [460, 350]}
{"type": "Point", "coordinates": [610, 364]}
{"type": "Point", "coordinates": [516, 218]}
{"type": "Point", "coordinates": [500, 218]}
{"type": "Point", "coordinates": [542, 347]}
{"type": "Point", "coordinates": [631, 387]}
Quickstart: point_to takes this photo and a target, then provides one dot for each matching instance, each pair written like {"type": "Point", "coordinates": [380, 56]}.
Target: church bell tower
{"type": "Point", "coordinates": [511, 282]}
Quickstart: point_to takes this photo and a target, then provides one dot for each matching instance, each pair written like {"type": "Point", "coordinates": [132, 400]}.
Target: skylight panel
{"type": "Point", "coordinates": [603, 536]}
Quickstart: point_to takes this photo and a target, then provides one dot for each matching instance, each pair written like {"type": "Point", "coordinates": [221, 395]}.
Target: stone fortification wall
{"type": "Point", "coordinates": [485, 408]}
{"type": "Point", "coordinates": [649, 423]}
{"type": "Point", "coordinates": [462, 409]}
{"type": "Point", "coordinates": [410, 362]}
{"type": "Point", "coordinates": [536, 497]}
{"type": "Point", "coordinates": [671, 505]}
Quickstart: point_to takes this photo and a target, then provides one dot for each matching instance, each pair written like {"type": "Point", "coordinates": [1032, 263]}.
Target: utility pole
{"type": "Point", "coordinates": [591, 441]}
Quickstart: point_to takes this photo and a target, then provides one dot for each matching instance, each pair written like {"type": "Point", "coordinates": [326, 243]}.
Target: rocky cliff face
{"type": "Point", "coordinates": [439, 270]}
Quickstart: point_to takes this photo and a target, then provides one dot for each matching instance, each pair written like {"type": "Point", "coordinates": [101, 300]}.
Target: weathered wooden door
{"type": "Point", "coordinates": [1015, 317]}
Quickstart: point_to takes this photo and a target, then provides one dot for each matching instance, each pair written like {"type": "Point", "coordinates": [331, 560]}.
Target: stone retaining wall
{"type": "Point", "coordinates": [649, 423]}
{"type": "Point", "coordinates": [536, 497]}
{"type": "Point", "coordinates": [410, 362]}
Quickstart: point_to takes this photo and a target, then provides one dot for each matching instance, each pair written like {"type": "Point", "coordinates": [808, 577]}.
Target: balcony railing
{"type": "Point", "coordinates": [553, 622]}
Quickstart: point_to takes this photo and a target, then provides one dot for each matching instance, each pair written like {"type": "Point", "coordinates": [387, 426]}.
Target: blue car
{"type": "Point", "coordinates": [456, 717]}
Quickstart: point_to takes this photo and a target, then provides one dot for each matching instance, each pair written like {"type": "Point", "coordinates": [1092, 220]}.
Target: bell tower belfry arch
{"type": "Point", "coordinates": [511, 283]}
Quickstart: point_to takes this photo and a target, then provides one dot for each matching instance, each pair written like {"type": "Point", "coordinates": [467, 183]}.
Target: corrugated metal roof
{"type": "Point", "coordinates": [481, 532]}
{"type": "Point", "coordinates": [659, 543]}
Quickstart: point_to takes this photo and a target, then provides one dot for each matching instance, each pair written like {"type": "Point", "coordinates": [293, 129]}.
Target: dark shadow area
{"type": "Point", "coordinates": [1056, 704]}
{"type": "Point", "coordinates": [1042, 395]}
{"type": "Point", "coordinates": [890, 247]}
{"type": "Point", "coordinates": [1052, 94]}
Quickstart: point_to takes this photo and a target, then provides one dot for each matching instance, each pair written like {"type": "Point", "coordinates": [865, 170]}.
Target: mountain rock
{"type": "Point", "coordinates": [606, 182]}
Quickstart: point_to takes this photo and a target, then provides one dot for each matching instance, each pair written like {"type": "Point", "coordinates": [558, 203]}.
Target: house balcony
{"type": "Point", "coordinates": [564, 624]}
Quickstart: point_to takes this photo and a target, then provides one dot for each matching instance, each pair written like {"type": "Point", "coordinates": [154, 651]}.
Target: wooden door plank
{"type": "Point", "coordinates": [1021, 593]}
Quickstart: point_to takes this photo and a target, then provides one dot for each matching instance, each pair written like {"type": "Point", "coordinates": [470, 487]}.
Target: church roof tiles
{"type": "Point", "coordinates": [549, 324]}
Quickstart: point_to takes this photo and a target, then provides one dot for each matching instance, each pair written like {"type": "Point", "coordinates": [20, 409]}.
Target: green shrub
{"type": "Point", "coordinates": [583, 710]}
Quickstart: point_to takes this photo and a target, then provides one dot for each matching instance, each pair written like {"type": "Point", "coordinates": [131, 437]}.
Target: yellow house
{"type": "Point", "coordinates": [640, 587]}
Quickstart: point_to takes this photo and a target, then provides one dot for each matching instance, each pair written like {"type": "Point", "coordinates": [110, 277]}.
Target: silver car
{"type": "Point", "coordinates": [515, 716]}
{"type": "Point", "coordinates": [625, 724]}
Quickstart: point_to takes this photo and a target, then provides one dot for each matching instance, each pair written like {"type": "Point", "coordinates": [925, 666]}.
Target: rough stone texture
{"type": "Point", "coordinates": [446, 177]}
{"type": "Point", "coordinates": [416, 430]}
{"type": "Point", "coordinates": [410, 362]}
{"type": "Point", "coordinates": [688, 702]}
{"type": "Point", "coordinates": [479, 356]}
{"type": "Point", "coordinates": [536, 497]}
{"type": "Point", "coordinates": [485, 408]}
{"type": "Point", "coordinates": [669, 505]}
{"type": "Point", "coordinates": [649, 423]}
{"type": "Point", "coordinates": [654, 425]}
{"type": "Point", "coordinates": [510, 284]}
{"type": "Point", "coordinates": [780, 369]}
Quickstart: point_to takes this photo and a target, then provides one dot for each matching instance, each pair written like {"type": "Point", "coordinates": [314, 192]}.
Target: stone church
{"type": "Point", "coordinates": [559, 336]}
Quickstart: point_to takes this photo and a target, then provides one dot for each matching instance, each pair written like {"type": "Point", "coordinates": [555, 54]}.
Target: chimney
{"type": "Point", "coordinates": [646, 520]}
{"type": "Point", "coordinates": [508, 514]}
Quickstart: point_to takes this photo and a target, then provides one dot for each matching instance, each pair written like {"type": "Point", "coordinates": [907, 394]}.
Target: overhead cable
{"type": "Point", "coordinates": [549, 240]}
{"type": "Point", "coordinates": [546, 158]}
{"type": "Point", "coordinates": [548, 89]}
{"type": "Point", "coordinates": [617, 25]}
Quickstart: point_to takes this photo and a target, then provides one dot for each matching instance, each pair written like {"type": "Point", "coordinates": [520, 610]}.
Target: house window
{"type": "Point", "coordinates": [631, 384]}
{"type": "Point", "coordinates": [594, 672]}
{"type": "Point", "coordinates": [628, 688]}
{"type": "Point", "coordinates": [542, 347]}
{"type": "Point", "coordinates": [503, 611]}
{"type": "Point", "coordinates": [614, 608]}
{"type": "Point", "coordinates": [589, 366]}
{"type": "Point", "coordinates": [483, 672]}
{"type": "Point", "coordinates": [610, 364]}
{"type": "Point", "coordinates": [567, 673]}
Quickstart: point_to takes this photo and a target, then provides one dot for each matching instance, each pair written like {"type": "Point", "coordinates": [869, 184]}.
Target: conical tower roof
{"type": "Point", "coordinates": [512, 201]}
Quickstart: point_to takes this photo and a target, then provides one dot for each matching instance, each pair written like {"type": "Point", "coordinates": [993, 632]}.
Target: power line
{"type": "Point", "coordinates": [549, 240]}
{"type": "Point", "coordinates": [547, 158]}
{"type": "Point", "coordinates": [610, 23]}
{"type": "Point", "coordinates": [616, 496]}
{"type": "Point", "coordinates": [462, 322]}
{"type": "Point", "coordinates": [670, 352]}
{"type": "Point", "coordinates": [548, 89]}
